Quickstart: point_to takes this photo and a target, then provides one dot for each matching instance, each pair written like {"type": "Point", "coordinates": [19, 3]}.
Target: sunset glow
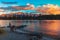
{"type": "Point", "coordinates": [49, 8]}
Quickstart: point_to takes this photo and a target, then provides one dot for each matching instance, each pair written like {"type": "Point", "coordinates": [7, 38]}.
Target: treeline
{"type": "Point", "coordinates": [41, 17]}
{"type": "Point", "coordinates": [50, 17]}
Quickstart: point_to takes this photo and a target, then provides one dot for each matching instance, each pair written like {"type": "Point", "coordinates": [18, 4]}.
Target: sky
{"type": "Point", "coordinates": [34, 2]}
{"type": "Point", "coordinates": [24, 2]}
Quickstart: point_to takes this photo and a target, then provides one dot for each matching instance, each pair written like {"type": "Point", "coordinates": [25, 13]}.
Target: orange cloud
{"type": "Point", "coordinates": [27, 7]}
{"type": "Point", "coordinates": [49, 8]}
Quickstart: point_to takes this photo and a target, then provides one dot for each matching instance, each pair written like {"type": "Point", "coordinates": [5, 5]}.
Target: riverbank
{"type": "Point", "coordinates": [19, 36]}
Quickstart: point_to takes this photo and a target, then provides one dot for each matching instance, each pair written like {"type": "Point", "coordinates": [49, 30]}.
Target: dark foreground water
{"type": "Point", "coordinates": [50, 27]}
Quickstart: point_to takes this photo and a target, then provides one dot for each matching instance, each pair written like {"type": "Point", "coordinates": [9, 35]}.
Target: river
{"type": "Point", "coordinates": [51, 27]}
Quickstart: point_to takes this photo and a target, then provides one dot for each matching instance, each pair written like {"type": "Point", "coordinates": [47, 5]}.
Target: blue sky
{"type": "Point", "coordinates": [35, 2]}
{"type": "Point", "coordinates": [24, 2]}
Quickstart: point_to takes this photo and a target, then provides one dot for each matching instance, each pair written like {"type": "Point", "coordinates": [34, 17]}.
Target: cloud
{"type": "Point", "coordinates": [1, 10]}
{"type": "Point", "coordinates": [44, 9]}
{"type": "Point", "coordinates": [8, 9]}
{"type": "Point", "coordinates": [49, 9]}
{"type": "Point", "coordinates": [28, 4]}
{"type": "Point", "coordinates": [17, 7]}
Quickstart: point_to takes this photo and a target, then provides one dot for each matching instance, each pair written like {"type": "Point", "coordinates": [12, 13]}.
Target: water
{"type": "Point", "coordinates": [32, 25]}
{"type": "Point", "coordinates": [50, 27]}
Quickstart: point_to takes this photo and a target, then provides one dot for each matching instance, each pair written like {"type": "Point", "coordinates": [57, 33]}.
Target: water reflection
{"type": "Point", "coordinates": [51, 27]}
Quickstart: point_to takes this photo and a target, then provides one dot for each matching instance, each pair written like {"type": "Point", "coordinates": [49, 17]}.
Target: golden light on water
{"type": "Point", "coordinates": [50, 27]}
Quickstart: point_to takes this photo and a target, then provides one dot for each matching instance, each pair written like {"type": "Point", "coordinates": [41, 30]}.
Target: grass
{"type": "Point", "coordinates": [2, 31]}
